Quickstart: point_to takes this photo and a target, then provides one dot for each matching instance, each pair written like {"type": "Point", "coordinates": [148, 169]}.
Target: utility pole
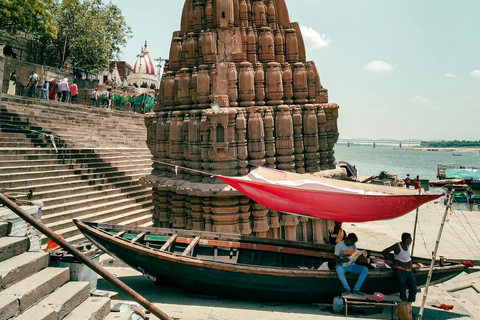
{"type": "Point", "coordinates": [160, 66]}
{"type": "Point", "coordinates": [2, 66]}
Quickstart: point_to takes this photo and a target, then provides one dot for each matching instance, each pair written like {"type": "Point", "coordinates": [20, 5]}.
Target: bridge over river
{"type": "Point", "coordinates": [381, 141]}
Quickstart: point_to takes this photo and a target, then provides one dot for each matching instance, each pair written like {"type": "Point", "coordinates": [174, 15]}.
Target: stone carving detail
{"type": "Point", "coordinates": [247, 57]}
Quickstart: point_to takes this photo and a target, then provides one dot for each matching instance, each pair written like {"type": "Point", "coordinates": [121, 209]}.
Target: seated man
{"type": "Point", "coordinates": [343, 250]}
{"type": "Point", "coordinates": [402, 264]}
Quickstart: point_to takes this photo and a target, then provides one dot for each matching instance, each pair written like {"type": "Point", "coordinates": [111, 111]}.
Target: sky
{"type": "Point", "coordinates": [398, 69]}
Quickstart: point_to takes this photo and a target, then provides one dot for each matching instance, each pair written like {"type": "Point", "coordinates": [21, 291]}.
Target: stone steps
{"type": "Point", "coordinates": [30, 290]}
{"type": "Point", "coordinates": [53, 161]}
{"type": "Point", "coordinates": [99, 164]}
{"type": "Point", "coordinates": [21, 266]}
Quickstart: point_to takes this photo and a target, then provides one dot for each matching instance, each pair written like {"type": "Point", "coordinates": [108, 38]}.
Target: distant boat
{"type": "Point", "coordinates": [457, 155]}
{"type": "Point", "coordinates": [444, 182]}
{"type": "Point", "coordinates": [453, 171]}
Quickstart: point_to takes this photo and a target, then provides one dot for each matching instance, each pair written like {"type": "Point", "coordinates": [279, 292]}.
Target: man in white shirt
{"type": "Point", "coordinates": [343, 250]}
{"type": "Point", "coordinates": [402, 264]}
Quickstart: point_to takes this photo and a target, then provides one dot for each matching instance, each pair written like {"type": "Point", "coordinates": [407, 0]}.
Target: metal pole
{"type": "Point", "coordinates": [434, 256]}
{"type": "Point", "coordinates": [81, 257]}
{"type": "Point", "coordinates": [415, 227]}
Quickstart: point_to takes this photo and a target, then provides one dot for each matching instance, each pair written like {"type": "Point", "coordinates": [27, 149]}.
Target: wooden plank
{"type": "Point", "coordinates": [167, 244]}
{"type": "Point", "coordinates": [141, 235]}
{"type": "Point", "coordinates": [190, 247]}
{"type": "Point", "coordinates": [120, 234]}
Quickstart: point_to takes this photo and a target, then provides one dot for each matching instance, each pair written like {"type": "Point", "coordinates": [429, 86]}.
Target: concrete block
{"type": "Point", "coordinates": [9, 306]}
{"type": "Point", "coordinates": [32, 289]}
{"type": "Point", "coordinates": [5, 228]}
{"type": "Point", "coordinates": [39, 313]}
{"type": "Point", "coordinates": [119, 316]}
{"type": "Point", "coordinates": [21, 267]}
{"type": "Point", "coordinates": [91, 309]}
{"type": "Point", "coordinates": [67, 298]}
{"type": "Point", "coordinates": [13, 246]}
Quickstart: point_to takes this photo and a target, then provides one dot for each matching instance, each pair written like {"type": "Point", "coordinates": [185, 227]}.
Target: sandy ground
{"type": "Point", "coordinates": [459, 241]}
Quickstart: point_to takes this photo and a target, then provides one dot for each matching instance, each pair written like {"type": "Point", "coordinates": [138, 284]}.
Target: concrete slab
{"type": "Point", "coordinates": [5, 228]}
{"type": "Point", "coordinates": [21, 266]}
{"type": "Point", "coordinates": [91, 309]}
{"type": "Point", "coordinates": [13, 246]}
{"type": "Point", "coordinates": [119, 316]}
{"type": "Point", "coordinates": [9, 306]}
{"type": "Point", "coordinates": [67, 298]}
{"type": "Point", "coordinates": [39, 313]}
{"type": "Point", "coordinates": [37, 286]}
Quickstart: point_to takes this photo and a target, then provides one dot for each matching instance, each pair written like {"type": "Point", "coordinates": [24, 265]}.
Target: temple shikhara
{"type": "Point", "coordinates": [248, 58]}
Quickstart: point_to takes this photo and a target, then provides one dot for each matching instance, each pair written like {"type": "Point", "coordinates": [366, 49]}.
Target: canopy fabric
{"type": "Point", "coordinates": [462, 173]}
{"type": "Point", "coordinates": [327, 199]}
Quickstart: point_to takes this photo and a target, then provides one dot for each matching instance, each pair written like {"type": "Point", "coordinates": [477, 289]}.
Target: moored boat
{"type": "Point", "coordinates": [452, 171]}
{"type": "Point", "coordinates": [444, 182]}
{"type": "Point", "coordinates": [466, 198]}
{"type": "Point", "coordinates": [240, 267]}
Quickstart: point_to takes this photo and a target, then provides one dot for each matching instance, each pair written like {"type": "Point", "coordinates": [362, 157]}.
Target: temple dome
{"type": "Point", "coordinates": [144, 64]}
{"type": "Point", "coordinates": [144, 71]}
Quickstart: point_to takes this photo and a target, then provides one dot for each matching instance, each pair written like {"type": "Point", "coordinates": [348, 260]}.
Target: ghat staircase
{"type": "Point", "coordinates": [29, 289]}
{"type": "Point", "coordinates": [81, 162]}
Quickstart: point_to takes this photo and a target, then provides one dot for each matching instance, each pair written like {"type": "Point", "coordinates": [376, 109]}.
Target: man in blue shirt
{"type": "Point", "coordinates": [343, 251]}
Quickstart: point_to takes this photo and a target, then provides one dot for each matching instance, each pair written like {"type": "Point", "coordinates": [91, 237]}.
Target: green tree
{"type": "Point", "coordinates": [90, 34]}
{"type": "Point", "coordinates": [33, 17]}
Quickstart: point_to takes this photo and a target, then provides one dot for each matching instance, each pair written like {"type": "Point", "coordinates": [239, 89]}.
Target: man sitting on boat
{"type": "Point", "coordinates": [345, 253]}
{"type": "Point", "coordinates": [402, 263]}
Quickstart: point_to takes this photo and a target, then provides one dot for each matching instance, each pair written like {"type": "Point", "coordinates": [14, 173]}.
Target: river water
{"type": "Point", "coordinates": [370, 161]}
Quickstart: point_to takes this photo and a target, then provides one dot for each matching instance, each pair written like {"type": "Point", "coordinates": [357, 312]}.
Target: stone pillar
{"type": "Point", "coordinates": [284, 139]}
{"type": "Point", "coordinates": [270, 150]}
{"type": "Point", "coordinates": [298, 140]}
{"type": "Point", "coordinates": [245, 213]}
{"type": "Point", "coordinates": [274, 224]}
{"type": "Point", "coordinates": [289, 223]}
{"type": "Point", "coordinates": [260, 222]}
{"type": "Point", "coordinates": [225, 214]}
{"type": "Point", "coordinates": [259, 84]}
{"type": "Point", "coordinates": [256, 139]}
{"type": "Point", "coordinates": [246, 84]}
{"type": "Point", "coordinates": [274, 84]}
{"type": "Point", "coordinates": [310, 127]}
{"type": "Point", "coordinates": [320, 230]}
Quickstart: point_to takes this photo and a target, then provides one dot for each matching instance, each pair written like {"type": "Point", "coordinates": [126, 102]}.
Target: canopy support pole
{"type": "Point", "coordinates": [415, 227]}
{"type": "Point", "coordinates": [434, 256]}
{"type": "Point", "coordinates": [84, 259]}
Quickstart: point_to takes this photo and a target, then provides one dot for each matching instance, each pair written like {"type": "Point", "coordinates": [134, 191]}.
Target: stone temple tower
{"type": "Point", "coordinates": [247, 57]}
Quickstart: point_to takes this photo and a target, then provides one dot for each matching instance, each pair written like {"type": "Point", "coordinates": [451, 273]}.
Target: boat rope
{"type": "Point", "coordinates": [468, 246]}
{"type": "Point", "coordinates": [423, 238]}
{"type": "Point", "coordinates": [470, 225]}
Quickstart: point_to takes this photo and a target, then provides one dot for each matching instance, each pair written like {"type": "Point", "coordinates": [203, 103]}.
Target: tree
{"type": "Point", "coordinates": [90, 34]}
{"type": "Point", "coordinates": [33, 17]}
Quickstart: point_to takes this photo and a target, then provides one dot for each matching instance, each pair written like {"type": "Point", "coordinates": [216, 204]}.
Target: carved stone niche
{"type": "Point", "coordinates": [176, 53]}
{"type": "Point", "coordinates": [218, 127]}
{"type": "Point", "coordinates": [274, 88]}
{"type": "Point", "coordinates": [266, 45]}
{"type": "Point", "coordinates": [224, 13]}
{"type": "Point", "coordinates": [191, 50]}
{"type": "Point", "coordinates": [292, 50]}
{"type": "Point", "coordinates": [246, 84]}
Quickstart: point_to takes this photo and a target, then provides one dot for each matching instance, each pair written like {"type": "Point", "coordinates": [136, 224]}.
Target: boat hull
{"type": "Point", "coordinates": [241, 281]}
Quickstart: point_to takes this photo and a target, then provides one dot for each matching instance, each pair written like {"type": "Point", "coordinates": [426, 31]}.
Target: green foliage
{"type": "Point", "coordinates": [90, 34]}
{"type": "Point", "coordinates": [452, 144]}
{"type": "Point", "coordinates": [33, 17]}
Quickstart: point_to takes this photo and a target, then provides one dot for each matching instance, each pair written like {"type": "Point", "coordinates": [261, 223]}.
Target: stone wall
{"type": "Point", "coordinates": [248, 58]}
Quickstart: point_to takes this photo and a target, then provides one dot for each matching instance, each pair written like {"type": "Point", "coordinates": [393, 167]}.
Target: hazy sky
{"type": "Point", "coordinates": [397, 68]}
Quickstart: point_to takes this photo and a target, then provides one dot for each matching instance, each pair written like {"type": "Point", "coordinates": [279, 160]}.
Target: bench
{"type": "Point", "coordinates": [367, 300]}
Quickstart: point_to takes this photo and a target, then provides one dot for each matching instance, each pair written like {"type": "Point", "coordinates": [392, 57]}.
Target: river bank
{"type": "Point", "coordinates": [457, 149]}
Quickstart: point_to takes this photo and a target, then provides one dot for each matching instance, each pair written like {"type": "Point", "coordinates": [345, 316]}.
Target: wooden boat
{"type": "Point", "coordinates": [452, 171]}
{"type": "Point", "coordinates": [444, 182]}
{"type": "Point", "coordinates": [475, 183]}
{"type": "Point", "coordinates": [239, 267]}
{"type": "Point", "coordinates": [327, 199]}
{"type": "Point", "coordinates": [457, 187]}
{"type": "Point", "coordinates": [465, 198]}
